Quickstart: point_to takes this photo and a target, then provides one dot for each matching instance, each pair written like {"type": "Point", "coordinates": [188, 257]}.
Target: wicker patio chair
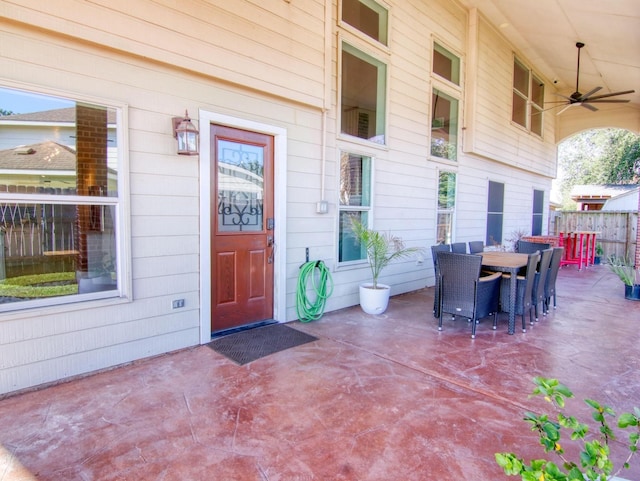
{"type": "Point", "coordinates": [526, 247]}
{"type": "Point", "coordinates": [434, 254]}
{"type": "Point", "coordinates": [475, 247]}
{"type": "Point", "coordinates": [550, 284]}
{"type": "Point", "coordinates": [538, 296]}
{"type": "Point", "coordinates": [463, 292]}
{"type": "Point", "coordinates": [459, 247]}
{"type": "Point", "coordinates": [524, 290]}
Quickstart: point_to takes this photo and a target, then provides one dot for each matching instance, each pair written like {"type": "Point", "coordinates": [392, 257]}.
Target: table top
{"type": "Point", "coordinates": [504, 259]}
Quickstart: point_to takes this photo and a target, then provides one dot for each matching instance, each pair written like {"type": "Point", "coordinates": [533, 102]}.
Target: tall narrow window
{"type": "Point", "coordinates": [364, 83]}
{"type": "Point", "coordinates": [528, 98]}
{"type": "Point", "coordinates": [354, 203]}
{"type": "Point", "coordinates": [495, 213]}
{"type": "Point", "coordinates": [59, 198]}
{"type": "Point", "coordinates": [538, 211]}
{"type": "Point", "coordinates": [444, 126]}
{"type": "Point", "coordinates": [368, 17]}
{"type": "Point", "coordinates": [446, 207]}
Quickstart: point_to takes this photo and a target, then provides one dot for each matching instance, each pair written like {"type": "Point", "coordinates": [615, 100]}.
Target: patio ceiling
{"type": "Point", "coordinates": [546, 32]}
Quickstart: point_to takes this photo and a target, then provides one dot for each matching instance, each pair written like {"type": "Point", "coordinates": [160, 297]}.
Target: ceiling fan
{"type": "Point", "coordinates": [586, 100]}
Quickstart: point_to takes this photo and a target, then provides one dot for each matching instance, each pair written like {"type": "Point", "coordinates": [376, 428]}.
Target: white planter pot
{"type": "Point", "coordinates": [374, 301]}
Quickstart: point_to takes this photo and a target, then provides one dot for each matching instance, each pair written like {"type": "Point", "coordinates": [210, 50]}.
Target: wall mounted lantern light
{"type": "Point", "coordinates": [186, 134]}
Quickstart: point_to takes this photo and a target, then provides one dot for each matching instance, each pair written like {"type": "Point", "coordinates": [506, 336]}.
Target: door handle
{"type": "Point", "coordinates": [271, 243]}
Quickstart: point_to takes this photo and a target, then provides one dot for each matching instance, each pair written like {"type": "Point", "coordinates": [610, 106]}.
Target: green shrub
{"type": "Point", "coordinates": [595, 463]}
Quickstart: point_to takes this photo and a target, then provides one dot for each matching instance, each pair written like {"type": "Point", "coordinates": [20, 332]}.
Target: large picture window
{"type": "Point", "coordinates": [528, 98]}
{"type": "Point", "coordinates": [363, 85]}
{"type": "Point", "coordinates": [354, 203]}
{"type": "Point", "coordinates": [59, 198]}
{"type": "Point", "coordinates": [446, 207]}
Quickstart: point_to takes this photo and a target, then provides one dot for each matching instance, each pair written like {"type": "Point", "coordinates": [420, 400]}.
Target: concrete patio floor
{"type": "Point", "coordinates": [379, 398]}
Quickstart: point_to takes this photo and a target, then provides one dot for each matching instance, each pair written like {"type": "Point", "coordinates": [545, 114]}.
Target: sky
{"type": "Point", "coordinates": [21, 102]}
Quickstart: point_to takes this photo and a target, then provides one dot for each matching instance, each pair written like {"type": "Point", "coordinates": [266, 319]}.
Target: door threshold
{"type": "Point", "coordinates": [233, 330]}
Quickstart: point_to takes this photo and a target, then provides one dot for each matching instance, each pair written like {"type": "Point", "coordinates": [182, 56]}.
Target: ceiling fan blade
{"type": "Point", "coordinates": [589, 93]}
{"type": "Point", "coordinates": [567, 107]}
{"type": "Point", "coordinates": [607, 101]}
{"type": "Point", "coordinates": [604, 96]}
{"type": "Point", "coordinates": [589, 106]}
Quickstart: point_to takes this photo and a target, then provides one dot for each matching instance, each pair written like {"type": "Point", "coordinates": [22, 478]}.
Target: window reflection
{"type": "Point", "coordinates": [51, 148]}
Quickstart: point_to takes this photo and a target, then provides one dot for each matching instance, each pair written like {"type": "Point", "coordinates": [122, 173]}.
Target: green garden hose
{"type": "Point", "coordinates": [322, 285]}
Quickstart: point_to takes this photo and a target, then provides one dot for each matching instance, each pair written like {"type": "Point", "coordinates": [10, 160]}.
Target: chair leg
{"type": "Point", "coordinates": [524, 322]}
{"type": "Point", "coordinates": [473, 328]}
{"type": "Point", "coordinates": [440, 322]}
{"type": "Point", "coordinates": [495, 320]}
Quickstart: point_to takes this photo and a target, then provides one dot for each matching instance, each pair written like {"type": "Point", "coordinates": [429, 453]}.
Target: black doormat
{"type": "Point", "coordinates": [246, 346]}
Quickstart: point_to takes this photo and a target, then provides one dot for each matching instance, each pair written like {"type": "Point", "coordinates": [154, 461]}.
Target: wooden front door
{"type": "Point", "coordinates": [242, 243]}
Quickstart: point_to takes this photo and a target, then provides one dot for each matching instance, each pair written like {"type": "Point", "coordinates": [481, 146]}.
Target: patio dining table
{"type": "Point", "coordinates": [510, 262]}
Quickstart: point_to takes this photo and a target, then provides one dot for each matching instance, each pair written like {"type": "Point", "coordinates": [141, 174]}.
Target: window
{"type": "Point", "coordinates": [364, 83]}
{"type": "Point", "coordinates": [368, 17]}
{"type": "Point", "coordinates": [446, 207]}
{"type": "Point", "coordinates": [59, 197]}
{"type": "Point", "coordinates": [446, 64]}
{"type": "Point", "coordinates": [444, 126]}
{"type": "Point", "coordinates": [354, 203]}
{"type": "Point", "coordinates": [528, 98]}
{"type": "Point", "coordinates": [495, 209]}
{"type": "Point", "coordinates": [538, 207]}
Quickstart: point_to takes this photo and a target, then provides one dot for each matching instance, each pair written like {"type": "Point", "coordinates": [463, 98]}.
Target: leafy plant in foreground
{"type": "Point", "coordinates": [595, 463]}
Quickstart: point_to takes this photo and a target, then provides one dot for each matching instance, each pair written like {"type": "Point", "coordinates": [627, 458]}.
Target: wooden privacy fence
{"type": "Point", "coordinates": [36, 238]}
{"type": "Point", "coordinates": [617, 230]}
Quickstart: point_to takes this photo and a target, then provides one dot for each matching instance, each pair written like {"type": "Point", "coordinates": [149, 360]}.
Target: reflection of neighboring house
{"type": "Point", "coordinates": [47, 164]}
{"type": "Point", "coordinates": [594, 197]}
{"type": "Point", "coordinates": [58, 126]}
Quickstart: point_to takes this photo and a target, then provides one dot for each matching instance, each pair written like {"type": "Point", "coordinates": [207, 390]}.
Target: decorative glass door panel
{"type": "Point", "coordinates": [240, 187]}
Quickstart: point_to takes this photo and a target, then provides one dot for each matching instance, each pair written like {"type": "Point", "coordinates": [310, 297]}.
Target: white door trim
{"type": "Point", "coordinates": [280, 204]}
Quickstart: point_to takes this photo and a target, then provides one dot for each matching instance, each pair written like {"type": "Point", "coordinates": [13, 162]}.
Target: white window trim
{"type": "Point", "coordinates": [455, 207]}
{"type": "Point", "coordinates": [123, 217]}
{"type": "Point", "coordinates": [444, 88]}
{"type": "Point", "coordinates": [369, 209]}
{"type": "Point", "coordinates": [363, 37]}
{"type": "Point", "coordinates": [436, 77]}
{"type": "Point", "coordinates": [352, 138]}
{"type": "Point", "coordinates": [527, 98]}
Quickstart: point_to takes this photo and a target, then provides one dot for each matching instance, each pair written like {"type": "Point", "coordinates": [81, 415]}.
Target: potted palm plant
{"type": "Point", "coordinates": [381, 248]}
{"type": "Point", "coordinates": [628, 274]}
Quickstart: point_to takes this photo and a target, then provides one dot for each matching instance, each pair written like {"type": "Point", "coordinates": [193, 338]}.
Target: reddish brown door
{"type": "Point", "coordinates": [242, 243]}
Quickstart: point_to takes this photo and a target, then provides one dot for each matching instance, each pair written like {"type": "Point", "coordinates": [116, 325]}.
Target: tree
{"type": "Point", "coordinates": [599, 156]}
{"type": "Point", "coordinates": [5, 112]}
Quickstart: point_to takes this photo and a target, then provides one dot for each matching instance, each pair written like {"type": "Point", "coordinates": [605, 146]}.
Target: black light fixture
{"type": "Point", "coordinates": [186, 134]}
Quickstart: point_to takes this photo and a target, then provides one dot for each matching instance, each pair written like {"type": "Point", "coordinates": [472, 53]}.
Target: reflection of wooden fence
{"type": "Point", "coordinates": [37, 238]}
{"type": "Point", "coordinates": [617, 230]}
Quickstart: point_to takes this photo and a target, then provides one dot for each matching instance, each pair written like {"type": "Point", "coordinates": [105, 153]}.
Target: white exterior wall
{"type": "Point", "coordinates": [264, 62]}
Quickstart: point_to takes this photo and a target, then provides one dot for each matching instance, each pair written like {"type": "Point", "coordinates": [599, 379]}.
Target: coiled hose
{"type": "Point", "coordinates": [322, 285]}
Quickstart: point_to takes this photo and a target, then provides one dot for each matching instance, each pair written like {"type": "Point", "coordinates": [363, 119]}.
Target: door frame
{"type": "Point", "coordinates": [279, 208]}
